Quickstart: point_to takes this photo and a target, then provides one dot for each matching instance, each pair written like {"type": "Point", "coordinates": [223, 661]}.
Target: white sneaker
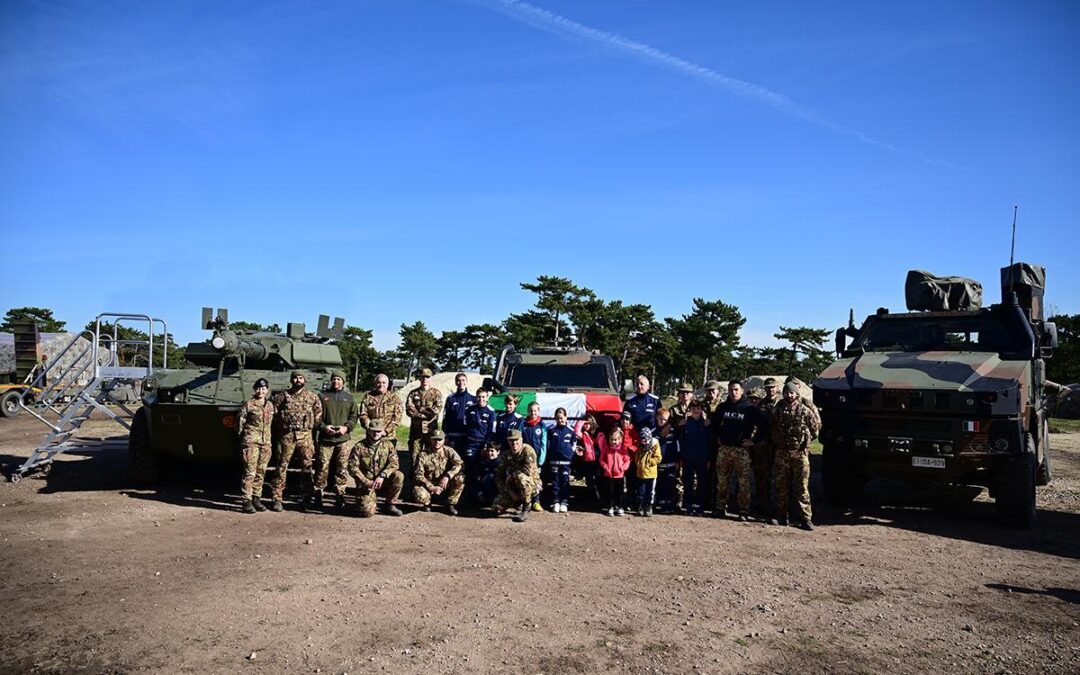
{"type": "Point", "coordinates": [611, 512]}
{"type": "Point", "coordinates": [620, 512]}
{"type": "Point", "coordinates": [565, 508]}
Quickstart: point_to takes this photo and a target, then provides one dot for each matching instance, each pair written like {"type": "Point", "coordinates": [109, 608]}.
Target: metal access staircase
{"type": "Point", "coordinates": [82, 377]}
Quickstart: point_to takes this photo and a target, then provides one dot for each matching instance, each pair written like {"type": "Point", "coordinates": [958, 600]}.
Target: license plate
{"type": "Point", "coordinates": [929, 462]}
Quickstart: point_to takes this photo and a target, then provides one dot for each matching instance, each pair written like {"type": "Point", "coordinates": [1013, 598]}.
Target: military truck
{"type": "Point", "coordinates": [582, 381]}
{"type": "Point", "coordinates": [190, 413]}
{"type": "Point", "coordinates": [948, 392]}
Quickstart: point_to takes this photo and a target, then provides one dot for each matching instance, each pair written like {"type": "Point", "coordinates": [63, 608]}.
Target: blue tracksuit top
{"type": "Point", "coordinates": [536, 435]}
{"type": "Point", "coordinates": [479, 425]}
{"type": "Point", "coordinates": [457, 404]}
{"type": "Point", "coordinates": [669, 448]}
{"type": "Point", "coordinates": [561, 443]}
{"type": "Point", "coordinates": [643, 409]}
{"type": "Point", "coordinates": [695, 442]}
{"type": "Point", "coordinates": [505, 422]}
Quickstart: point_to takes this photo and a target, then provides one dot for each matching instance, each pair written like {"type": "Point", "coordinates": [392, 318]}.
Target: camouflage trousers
{"type": "Point", "coordinates": [390, 491]}
{"type": "Point", "coordinates": [792, 475]}
{"type": "Point", "coordinates": [728, 460]}
{"type": "Point", "coordinates": [256, 459]}
{"type": "Point", "coordinates": [334, 455]}
{"type": "Point", "coordinates": [518, 489]}
{"type": "Point", "coordinates": [761, 459]}
{"type": "Point", "coordinates": [417, 440]}
{"type": "Point", "coordinates": [454, 487]}
{"type": "Point", "coordinates": [298, 444]}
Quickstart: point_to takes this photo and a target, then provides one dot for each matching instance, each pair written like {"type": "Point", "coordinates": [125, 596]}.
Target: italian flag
{"type": "Point", "coordinates": [578, 406]}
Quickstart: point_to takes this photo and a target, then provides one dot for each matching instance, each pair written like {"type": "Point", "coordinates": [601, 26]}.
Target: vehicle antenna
{"type": "Point", "coordinates": [1012, 251]}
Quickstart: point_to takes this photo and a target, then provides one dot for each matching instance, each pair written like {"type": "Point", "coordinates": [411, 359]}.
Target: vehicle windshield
{"type": "Point", "coordinates": [558, 376]}
{"type": "Point", "coordinates": [982, 332]}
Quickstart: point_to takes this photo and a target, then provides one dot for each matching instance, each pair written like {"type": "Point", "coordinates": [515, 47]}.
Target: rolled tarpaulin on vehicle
{"type": "Point", "coordinates": [924, 292]}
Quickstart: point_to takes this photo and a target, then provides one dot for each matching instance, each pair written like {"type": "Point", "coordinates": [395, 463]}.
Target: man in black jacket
{"type": "Point", "coordinates": [733, 426]}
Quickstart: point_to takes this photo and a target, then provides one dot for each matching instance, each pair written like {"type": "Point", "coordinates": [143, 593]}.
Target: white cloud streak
{"type": "Point", "coordinates": [557, 24]}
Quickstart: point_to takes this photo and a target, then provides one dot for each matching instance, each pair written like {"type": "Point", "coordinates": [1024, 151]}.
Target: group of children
{"type": "Point", "coordinates": [625, 468]}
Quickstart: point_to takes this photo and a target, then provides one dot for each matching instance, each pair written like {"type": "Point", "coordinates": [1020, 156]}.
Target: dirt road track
{"type": "Point", "coordinates": [101, 578]}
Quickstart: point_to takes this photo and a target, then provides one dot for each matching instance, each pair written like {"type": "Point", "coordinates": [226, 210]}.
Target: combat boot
{"type": "Point", "coordinates": [317, 499]}
{"type": "Point", "coordinates": [247, 506]}
{"type": "Point", "coordinates": [392, 510]}
{"type": "Point", "coordinates": [451, 509]}
{"type": "Point", "coordinates": [276, 506]}
{"type": "Point", "coordinates": [257, 503]}
{"type": "Point", "coordinates": [807, 525]}
{"type": "Point", "coordinates": [522, 514]}
{"type": "Point", "coordinates": [425, 508]}
{"type": "Point", "coordinates": [339, 502]}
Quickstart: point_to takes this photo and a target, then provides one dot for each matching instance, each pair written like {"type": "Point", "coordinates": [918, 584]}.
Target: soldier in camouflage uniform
{"type": "Point", "coordinates": [517, 478]}
{"type": "Point", "coordinates": [422, 405]}
{"type": "Point", "coordinates": [792, 426]}
{"type": "Point", "coordinates": [437, 474]}
{"type": "Point", "coordinates": [681, 410]}
{"type": "Point", "coordinates": [337, 424]}
{"type": "Point", "coordinates": [299, 410]}
{"type": "Point", "coordinates": [373, 462]}
{"type": "Point", "coordinates": [254, 426]}
{"type": "Point", "coordinates": [764, 451]}
{"type": "Point", "coordinates": [382, 404]}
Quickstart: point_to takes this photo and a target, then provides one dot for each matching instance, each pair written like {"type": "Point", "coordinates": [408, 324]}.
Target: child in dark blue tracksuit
{"type": "Point", "coordinates": [694, 448]}
{"type": "Point", "coordinates": [562, 446]}
{"type": "Point", "coordinates": [505, 421]}
{"type": "Point", "coordinates": [487, 465]}
{"type": "Point", "coordinates": [479, 430]}
{"type": "Point", "coordinates": [668, 471]}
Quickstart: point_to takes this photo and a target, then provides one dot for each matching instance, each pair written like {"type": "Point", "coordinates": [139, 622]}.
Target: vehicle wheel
{"type": "Point", "coordinates": [144, 461]}
{"type": "Point", "coordinates": [840, 481]}
{"type": "Point", "coordinates": [1016, 487]}
{"type": "Point", "coordinates": [9, 403]}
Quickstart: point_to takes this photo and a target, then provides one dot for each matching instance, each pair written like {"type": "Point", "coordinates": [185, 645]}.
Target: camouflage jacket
{"type": "Point", "coordinates": [518, 462]}
{"type": "Point", "coordinates": [431, 465]}
{"type": "Point", "coordinates": [370, 459]}
{"type": "Point", "coordinates": [301, 411]}
{"type": "Point", "coordinates": [679, 413]}
{"type": "Point", "coordinates": [254, 422]}
{"type": "Point", "coordinates": [423, 406]}
{"type": "Point", "coordinates": [339, 410]}
{"type": "Point", "coordinates": [386, 407]}
{"type": "Point", "coordinates": [792, 425]}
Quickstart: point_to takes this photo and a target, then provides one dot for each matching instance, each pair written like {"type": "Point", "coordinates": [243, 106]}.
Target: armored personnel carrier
{"type": "Point", "coordinates": [949, 392]}
{"type": "Point", "coordinates": [582, 381]}
{"type": "Point", "coordinates": [190, 413]}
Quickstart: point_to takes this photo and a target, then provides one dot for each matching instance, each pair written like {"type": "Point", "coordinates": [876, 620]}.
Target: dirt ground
{"type": "Point", "coordinates": [98, 577]}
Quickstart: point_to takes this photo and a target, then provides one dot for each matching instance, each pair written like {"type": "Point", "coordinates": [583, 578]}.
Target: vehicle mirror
{"type": "Point", "coordinates": [627, 387]}
{"type": "Point", "coordinates": [1049, 339]}
{"type": "Point", "coordinates": [841, 341]}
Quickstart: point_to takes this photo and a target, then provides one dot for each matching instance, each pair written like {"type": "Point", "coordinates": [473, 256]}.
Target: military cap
{"type": "Point", "coordinates": [712, 384]}
{"type": "Point", "coordinates": [261, 382]}
{"type": "Point", "coordinates": [337, 373]}
{"type": "Point", "coordinates": [770, 381]}
{"type": "Point", "coordinates": [425, 372]}
{"type": "Point", "coordinates": [687, 388]}
{"type": "Point", "coordinates": [298, 372]}
{"type": "Point", "coordinates": [376, 425]}
{"type": "Point", "coordinates": [757, 392]}
{"type": "Point", "coordinates": [513, 435]}
{"type": "Point", "coordinates": [438, 435]}
{"type": "Point", "coordinates": [792, 387]}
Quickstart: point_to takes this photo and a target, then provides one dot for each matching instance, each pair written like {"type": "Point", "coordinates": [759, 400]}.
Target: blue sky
{"type": "Point", "coordinates": [390, 161]}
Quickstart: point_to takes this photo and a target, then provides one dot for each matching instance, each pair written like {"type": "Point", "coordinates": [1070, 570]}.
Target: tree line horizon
{"type": "Point", "coordinates": [693, 348]}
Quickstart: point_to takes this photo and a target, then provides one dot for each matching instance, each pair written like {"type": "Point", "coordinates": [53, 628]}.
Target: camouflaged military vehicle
{"type": "Point", "coordinates": [190, 413]}
{"type": "Point", "coordinates": [949, 392]}
{"type": "Point", "coordinates": [581, 381]}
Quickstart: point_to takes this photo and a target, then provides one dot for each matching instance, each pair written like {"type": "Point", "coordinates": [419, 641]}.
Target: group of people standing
{"type": "Point", "coordinates": [653, 459]}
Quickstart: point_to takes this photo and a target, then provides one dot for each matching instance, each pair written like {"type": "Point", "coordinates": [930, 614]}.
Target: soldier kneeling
{"type": "Point", "coordinates": [517, 478]}
{"type": "Point", "coordinates": [437, 474]}
{"type": "Point", "coordinates": [373, 463]}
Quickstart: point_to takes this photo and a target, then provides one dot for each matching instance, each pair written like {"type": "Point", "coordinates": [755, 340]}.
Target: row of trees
{"type": "Point", "coordinates": [700, 345]}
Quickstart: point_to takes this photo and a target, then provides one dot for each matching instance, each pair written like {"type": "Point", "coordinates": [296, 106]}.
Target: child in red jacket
{"type": "Point", "coordinates": [614, 461]}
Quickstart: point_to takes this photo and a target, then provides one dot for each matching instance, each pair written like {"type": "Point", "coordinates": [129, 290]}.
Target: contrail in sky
{"type": "Point", "coordinates": [543, 19]}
